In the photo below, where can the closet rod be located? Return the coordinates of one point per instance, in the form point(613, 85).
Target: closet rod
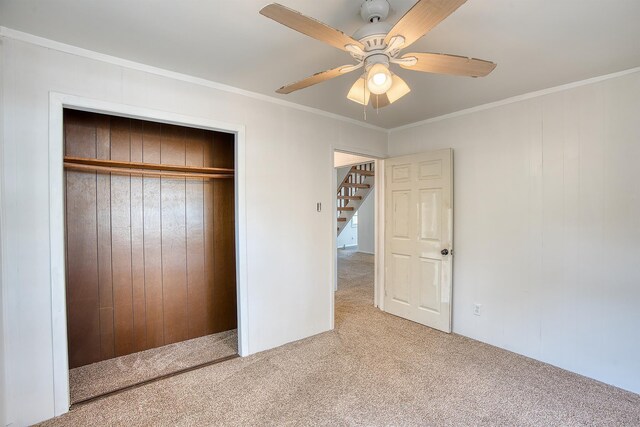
point(150, 166)
point(138, 172)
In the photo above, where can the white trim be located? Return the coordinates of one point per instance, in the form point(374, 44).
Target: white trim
point(333, 267)
point(517, 98)
point(378, 236)
point(242, 269)
point(60, 355)
point(10, 33)
point(57, 102)
point(4, 400)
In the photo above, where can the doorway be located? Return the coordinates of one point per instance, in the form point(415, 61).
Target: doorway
point(412, 275)
point(355, 232)
point(150, 250)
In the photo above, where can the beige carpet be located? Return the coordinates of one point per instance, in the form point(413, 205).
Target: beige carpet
point(108, 375)
point(373, 369)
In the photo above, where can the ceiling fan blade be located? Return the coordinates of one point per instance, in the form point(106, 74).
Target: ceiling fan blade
point(449, 64)
point(350, 68)
point(421, 18)
point(309, 26)
point(315, 79)
point(359, 92)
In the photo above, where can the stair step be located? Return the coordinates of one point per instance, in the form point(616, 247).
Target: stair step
point(342, 219)
point(346, 208)
point(349, 197)
point(364, 172)
point(352, 185)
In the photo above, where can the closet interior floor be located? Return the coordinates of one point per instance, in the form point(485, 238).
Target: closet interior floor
point(106, 376)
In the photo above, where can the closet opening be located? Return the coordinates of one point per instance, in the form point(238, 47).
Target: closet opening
point(150, 250)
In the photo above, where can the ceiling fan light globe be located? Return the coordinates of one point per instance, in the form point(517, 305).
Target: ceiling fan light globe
point(379, 79)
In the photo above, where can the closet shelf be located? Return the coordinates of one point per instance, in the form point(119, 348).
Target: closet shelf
point(145, 169)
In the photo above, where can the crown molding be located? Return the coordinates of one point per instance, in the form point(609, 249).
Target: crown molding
point(10, 33)
point(517, 98)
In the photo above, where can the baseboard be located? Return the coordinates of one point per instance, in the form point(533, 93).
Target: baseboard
point(367, 252)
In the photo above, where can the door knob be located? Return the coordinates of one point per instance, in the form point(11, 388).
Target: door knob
point(445, 252)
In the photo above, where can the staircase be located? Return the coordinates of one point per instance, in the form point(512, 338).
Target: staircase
point(353, 191)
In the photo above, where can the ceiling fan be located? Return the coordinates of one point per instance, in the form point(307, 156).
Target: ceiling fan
point(377, 45)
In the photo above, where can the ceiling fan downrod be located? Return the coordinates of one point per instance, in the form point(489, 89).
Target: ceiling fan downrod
point(374, 10)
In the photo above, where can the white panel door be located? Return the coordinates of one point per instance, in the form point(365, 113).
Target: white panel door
point(419, 237)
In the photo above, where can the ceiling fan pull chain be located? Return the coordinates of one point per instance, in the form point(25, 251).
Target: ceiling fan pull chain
point(364, 106)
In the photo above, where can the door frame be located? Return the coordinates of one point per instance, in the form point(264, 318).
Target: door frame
point(57, 103)
point(378, 219)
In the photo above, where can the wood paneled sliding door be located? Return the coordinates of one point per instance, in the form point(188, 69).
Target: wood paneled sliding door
point(150, 260)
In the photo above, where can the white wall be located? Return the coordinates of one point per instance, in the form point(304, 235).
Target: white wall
point(349, 236)
point(366, 225)
point(547, 225)
point(289, 297)
point(3, 386)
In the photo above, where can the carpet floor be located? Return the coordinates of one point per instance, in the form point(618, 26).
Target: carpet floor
point(373, 369)
point(108, 375)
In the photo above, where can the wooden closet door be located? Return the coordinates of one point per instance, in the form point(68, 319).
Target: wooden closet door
point(150, 261)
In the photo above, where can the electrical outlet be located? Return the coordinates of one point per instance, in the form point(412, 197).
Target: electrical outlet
point(477, 309)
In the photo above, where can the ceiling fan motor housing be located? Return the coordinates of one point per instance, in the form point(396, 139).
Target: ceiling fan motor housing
point(372, 10)
point(372, 35)
point(376, 58)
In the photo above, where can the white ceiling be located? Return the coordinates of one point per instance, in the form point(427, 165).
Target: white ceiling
point(537, 44)
point(341, 159)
